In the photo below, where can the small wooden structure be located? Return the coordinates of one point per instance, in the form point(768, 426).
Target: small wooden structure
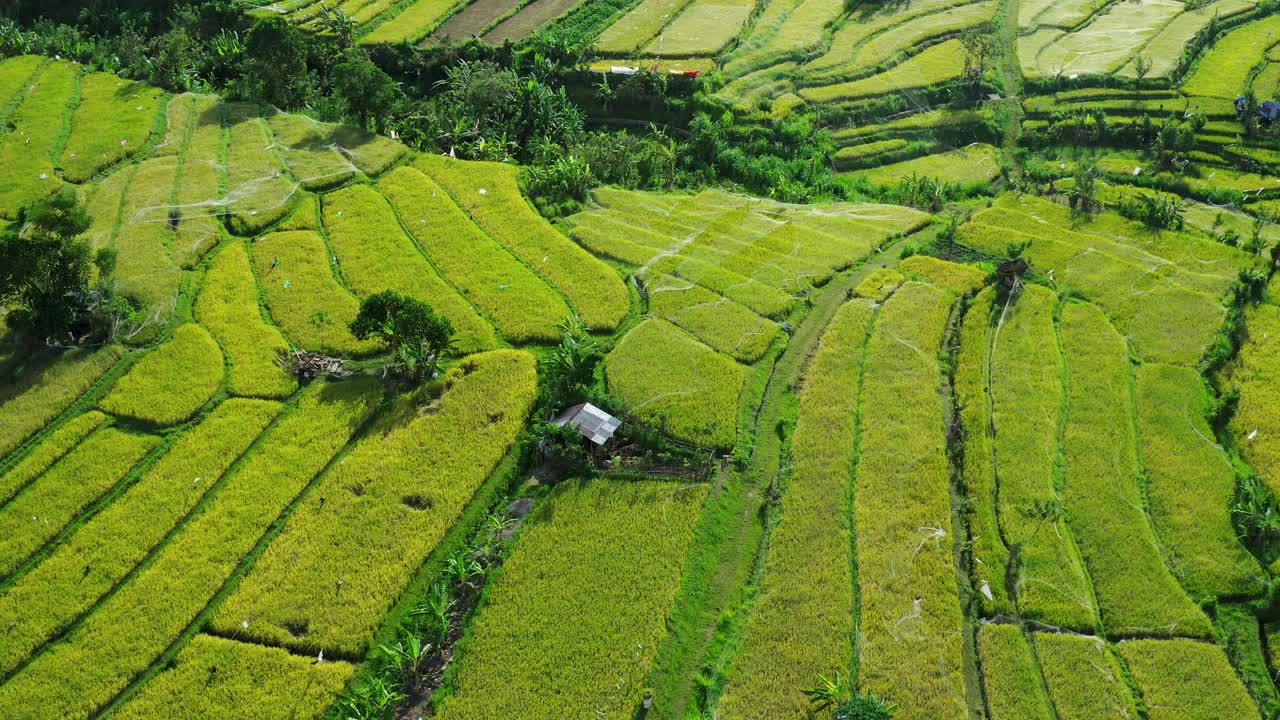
point(595, 424)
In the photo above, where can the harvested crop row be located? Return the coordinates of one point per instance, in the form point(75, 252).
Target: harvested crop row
point(376, 255)
point(129, 630)
point(371, 521)
point(1190, 485)
point(973, 400)
point(413, 23)
point(1136, 593)
point(489, 191)
point(677, 383)
point(100, 554)
point(172, 382)
point(1011, 675)
point(1025, 377)
point(111, 124)
point(1186, 680)
point(26, 153)
point(294, 270)
point(43, 456)
point(635, 29)
point(1084, 680)
point(802, 621)
point(934, 65)
point(524, 307)
point(213, 676)
point(601, 565)
point(228, 308)
point(1255, 374)
point(528, 19)
point(55, 498)
point(44, 392)
point(145, 270)
point(719, 322)
point(474, 19)
point(259, 192)
point(909, 649)
point(199, 186)
point(703, 27)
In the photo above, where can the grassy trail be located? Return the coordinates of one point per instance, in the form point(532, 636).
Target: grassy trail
point(1011, 73)
point(711, 611)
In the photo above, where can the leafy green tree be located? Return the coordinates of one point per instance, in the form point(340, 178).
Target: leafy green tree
point(276, 62)
point(369, 93)
point(416, 335)
point(45, 271)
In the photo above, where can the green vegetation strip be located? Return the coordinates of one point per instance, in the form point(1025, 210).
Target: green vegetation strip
point(1084, 679)
point(108, 547)
point(1162, 289)
point(259, 192)
point(718, 321)
point(1255, 374)
point(26, 153)
point(48, 452)
point(801, 625)
point(524, 307)
point(301, 261)
point(1015, 690)
point(348, 551)
point(199, 188)
point(213, 677)
point(228, 307)
point(1186, 680)
point(1224, 70)
point(172, 382)
point(1136, 593)
point(677, 383)
point(489, 191)
point(133, 627)
point(375, 255)
point(909, 636)
point(46, 391)
point(1025, 379)
point(1191, 485)
point(111, 124)
point(55, 498)
point(973, 401)
point(145, 270)
point(573, 621)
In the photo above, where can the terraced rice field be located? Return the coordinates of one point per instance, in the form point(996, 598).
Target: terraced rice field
point(871, 449)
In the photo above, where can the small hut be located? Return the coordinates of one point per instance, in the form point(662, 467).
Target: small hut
point(595, 424)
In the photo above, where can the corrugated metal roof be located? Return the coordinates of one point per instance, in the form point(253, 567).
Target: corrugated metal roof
point(595, 424)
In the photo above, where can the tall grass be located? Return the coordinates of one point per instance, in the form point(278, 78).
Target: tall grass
point(801, 625)
point(102, 552)
point(1084, 679)
point(228, 308)
point(909, 633)
point(112, 123)
point(348, 551)
point(71, 485)
point(1136, 593)
point(131, 629)
point(573, 621)
point(213, 675)
point(172, 382)
point(1011, 675)
point(1186, 680)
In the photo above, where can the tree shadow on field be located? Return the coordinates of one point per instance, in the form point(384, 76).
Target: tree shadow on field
point(637, 494)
